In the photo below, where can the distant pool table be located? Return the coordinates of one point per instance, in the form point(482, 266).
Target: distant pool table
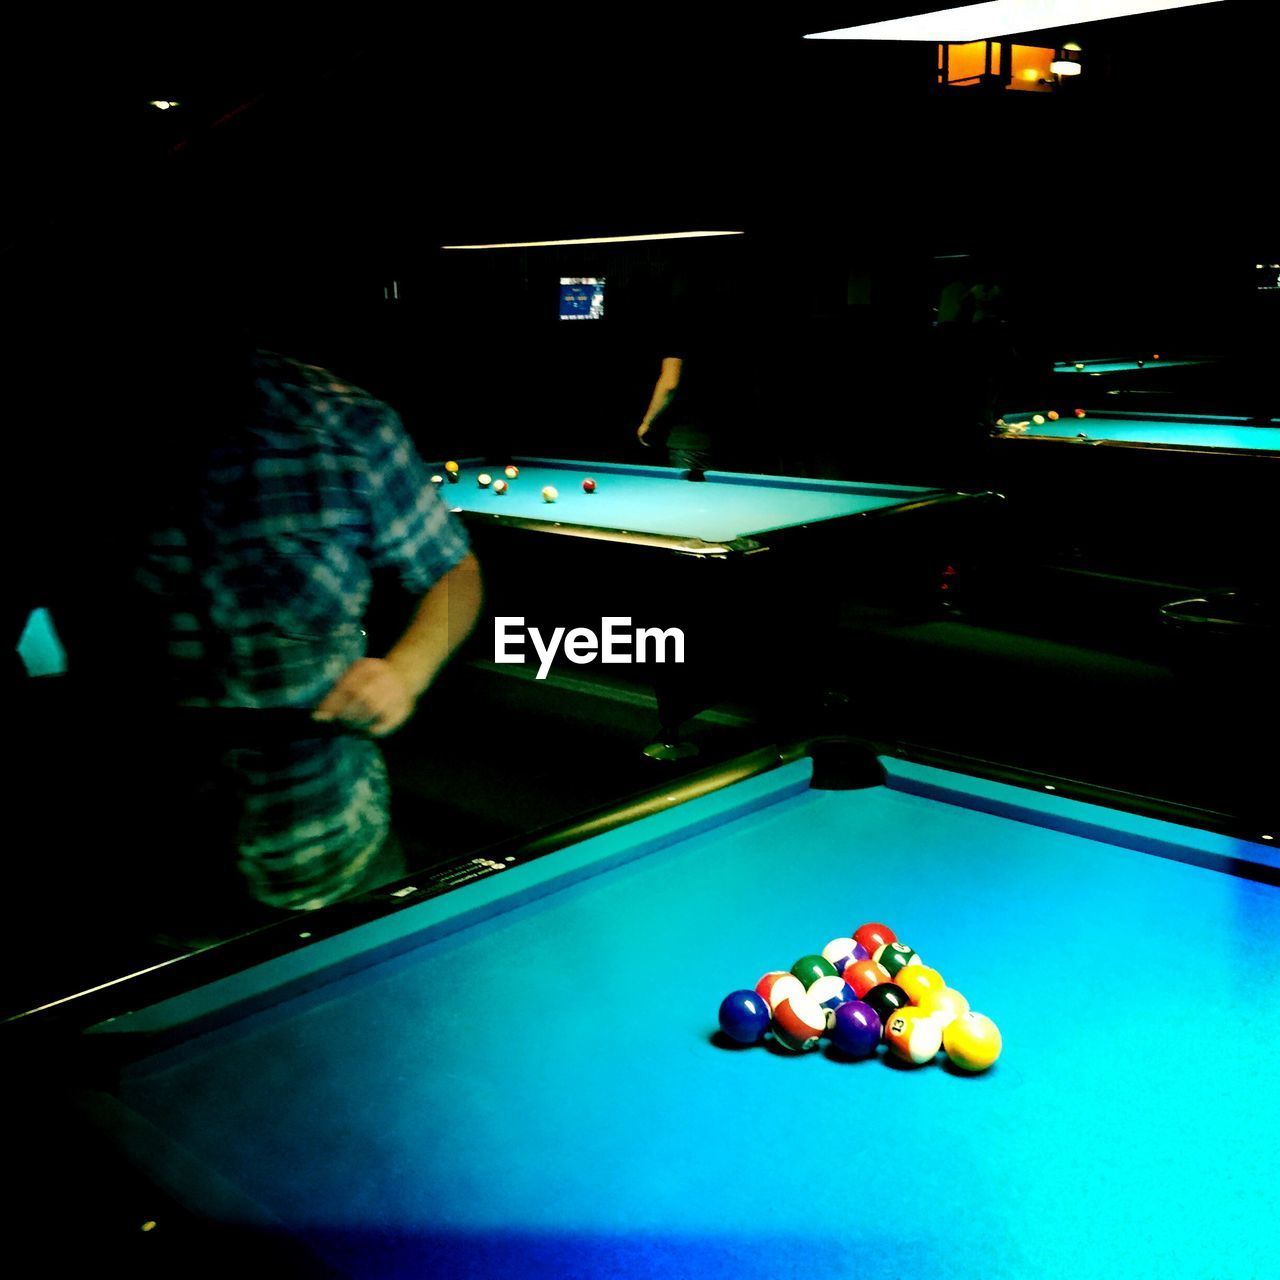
point(722, 515)
point(1192, 433)
point(1119, 368)
point(747, 566)
point(515, 1069)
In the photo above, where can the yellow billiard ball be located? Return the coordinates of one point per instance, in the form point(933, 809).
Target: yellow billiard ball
point(916, 979)
point(944, 1005)
point(972, 1042)
point(451, 467)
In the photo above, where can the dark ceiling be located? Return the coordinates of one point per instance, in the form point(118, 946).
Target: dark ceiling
point(485, 123)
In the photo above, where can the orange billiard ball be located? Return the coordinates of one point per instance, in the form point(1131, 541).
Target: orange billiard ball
point(1053, 415)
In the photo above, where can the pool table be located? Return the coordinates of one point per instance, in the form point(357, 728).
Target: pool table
point(1121, 368)
point(723, 515)
point(748, 566)
point(1175, 432)
point(515, 1068)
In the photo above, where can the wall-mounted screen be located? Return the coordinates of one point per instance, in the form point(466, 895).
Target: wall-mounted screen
point(581, 297)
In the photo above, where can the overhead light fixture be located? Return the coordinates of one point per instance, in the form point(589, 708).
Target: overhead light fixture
point(1000, 18)
point(1064, 67)
point(544, 244)
point(162, 104)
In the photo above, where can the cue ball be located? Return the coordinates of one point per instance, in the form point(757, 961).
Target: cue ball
point(549, 493)
point(972, 1042)
point(588, 486)
point(499, 486)
point(484, 479)
point(437, 481)
point(511, 472)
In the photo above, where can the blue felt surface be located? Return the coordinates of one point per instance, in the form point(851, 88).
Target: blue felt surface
point(660, 500)
point(539, 1090)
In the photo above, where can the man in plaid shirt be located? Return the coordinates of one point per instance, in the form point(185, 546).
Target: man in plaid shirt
point(263, 590)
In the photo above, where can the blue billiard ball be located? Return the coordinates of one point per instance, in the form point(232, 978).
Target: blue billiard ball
point(744, 1017)
point(855, 1030)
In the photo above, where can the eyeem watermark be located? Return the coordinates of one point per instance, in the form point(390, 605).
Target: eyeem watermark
point(617, 642)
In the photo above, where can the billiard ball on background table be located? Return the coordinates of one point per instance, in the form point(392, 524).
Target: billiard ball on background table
point(511, 471)
point(744, 1017)
point(499, 486)
point(550, 493)
point(437, 480)
point(588, 486)
point(484, 479)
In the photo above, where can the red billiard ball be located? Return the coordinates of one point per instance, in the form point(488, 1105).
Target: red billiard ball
point(588, 486)
point(874, 935)
point(499, 486)
point(1079, 413)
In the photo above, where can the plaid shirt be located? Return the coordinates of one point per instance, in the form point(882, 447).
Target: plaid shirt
point(265, 598)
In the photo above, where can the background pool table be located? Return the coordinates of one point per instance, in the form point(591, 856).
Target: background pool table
point(725, 513)
point(1194, 433)
point(1118, 368)
point(523, 1075)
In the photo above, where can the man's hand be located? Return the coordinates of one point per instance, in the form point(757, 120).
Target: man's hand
point(370, 695)
point(641, 431)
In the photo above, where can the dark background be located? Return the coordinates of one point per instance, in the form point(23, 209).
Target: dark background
point(311, 164)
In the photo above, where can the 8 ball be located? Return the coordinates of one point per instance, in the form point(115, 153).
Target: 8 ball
point(886, 1000)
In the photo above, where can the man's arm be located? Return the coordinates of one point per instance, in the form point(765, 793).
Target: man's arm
point(379, 694)
point(663, 390)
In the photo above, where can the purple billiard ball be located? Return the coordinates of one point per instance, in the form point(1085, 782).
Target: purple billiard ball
point(855, 1031)
point(744, 1017)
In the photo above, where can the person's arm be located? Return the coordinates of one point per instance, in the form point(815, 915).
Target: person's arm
point(379, 694)
point(663, 390)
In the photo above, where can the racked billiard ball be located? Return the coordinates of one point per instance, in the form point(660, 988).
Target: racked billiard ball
point(511, 471)
point(798, 1023)
point(810, 968)
point(944, 1006)
point(842, 952)
point(913, 1036)
point(777, 985)
point(588, 486)
point(856, 1029)
point(831, 993)
point(862, 975)
point(886, 1000)
point(916, 979)
point(499, 486)
point(744, 1017)
point(972, 1042)
point(896, 956)
point(484, 479)
point(874, 935)
point(549, 493)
